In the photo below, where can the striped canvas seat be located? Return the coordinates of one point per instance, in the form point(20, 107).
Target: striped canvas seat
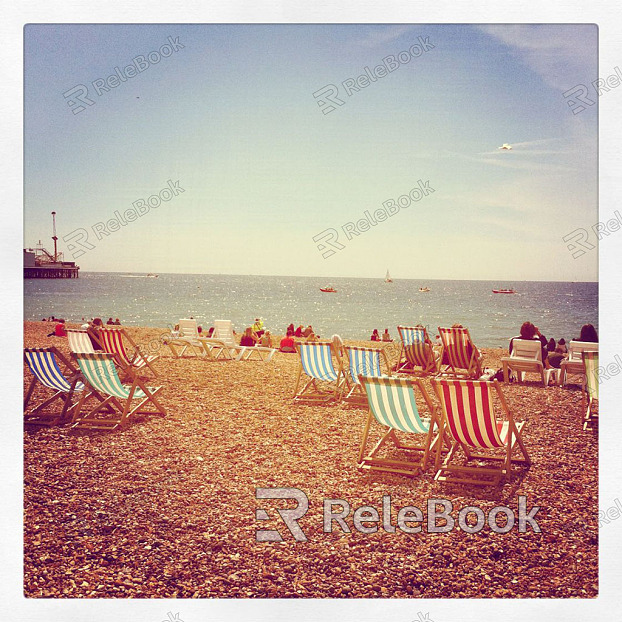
point(416, 350)
point(590, 396)
point(393, 405)
point(100, 374)
point(323, 382)
point(112, 342)
point(365, 362)
point(80, 342)
point(469, 419)
point(44, 366)
point(459, 353)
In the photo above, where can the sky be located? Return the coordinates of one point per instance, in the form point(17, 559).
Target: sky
point(250, 166)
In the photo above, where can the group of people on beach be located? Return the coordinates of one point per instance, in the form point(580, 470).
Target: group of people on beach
point(288, 343)
point(553, 353)
point(385, 336)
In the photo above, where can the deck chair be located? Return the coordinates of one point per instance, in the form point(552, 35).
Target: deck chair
point(526, 357)
point(417, 351)
point(79, 341)
point(112, 342)
point(46, 371)
point(468, 417)
point(365, 362)
point(224, 339)
point(573, 368)
point(186, 340)
point(459, 353)
point(590, 396)
point(318, 380)
point(100, 374)
point(392, 403)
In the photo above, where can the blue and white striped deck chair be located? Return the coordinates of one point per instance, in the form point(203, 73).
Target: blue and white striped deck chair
point(44, 366)
point(393, 405)
point(322, 382)
point(99, 372)
point(365, 362)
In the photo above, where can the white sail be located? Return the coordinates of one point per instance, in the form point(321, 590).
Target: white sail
point(387, 278)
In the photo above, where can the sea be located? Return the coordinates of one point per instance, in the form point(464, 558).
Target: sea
point(559, 309)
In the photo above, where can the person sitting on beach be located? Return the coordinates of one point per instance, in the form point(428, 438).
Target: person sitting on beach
point(529, 331)
point(307, 331)
point(59, 330)
point(551, 345)
point(588, 333)
point(287, 343)
point(110, 322)
point(210, 332)
point(258, 327)
point(290, 327)
point(338, 346)
point(117, 322)
point(312, 337)
point(561, 346)
point(375, 336)
point(248, 339)
point(93, 332)
point(386, 336)
point(266, 340)
point(298, 331)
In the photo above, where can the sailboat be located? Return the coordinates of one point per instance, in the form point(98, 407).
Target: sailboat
point(388, 279)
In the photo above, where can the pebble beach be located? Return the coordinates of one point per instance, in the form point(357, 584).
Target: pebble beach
point(165, 507)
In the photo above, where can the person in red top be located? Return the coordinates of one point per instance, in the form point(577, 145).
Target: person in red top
point(59, 330)
point(287, 343)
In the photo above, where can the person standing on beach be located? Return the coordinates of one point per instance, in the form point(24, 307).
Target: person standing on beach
point(258, 327)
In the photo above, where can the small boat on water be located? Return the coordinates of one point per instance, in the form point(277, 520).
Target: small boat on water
point(152, 276)
point(503, 291)
point(387, 278)
point(424, 289)
point(330, 290)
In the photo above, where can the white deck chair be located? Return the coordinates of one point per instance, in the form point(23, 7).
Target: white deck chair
point(573, 365)
point(526, 358)
point(224, 338)
point(80, 342)
point(187, 338)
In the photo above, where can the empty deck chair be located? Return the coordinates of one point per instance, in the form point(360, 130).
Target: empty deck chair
point(187, 339)
point(573, 368)
point(590, 396)
point(526, 357)
point(100, 374)
point(459, 353)
point(468, 417)
point(365, 362)
point(392, 403)
point(44, 363)
point(417, 351)
point(79, 341)
point(112, 342)
point(318, 380)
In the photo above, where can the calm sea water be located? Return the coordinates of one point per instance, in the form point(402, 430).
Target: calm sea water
point(360, 305)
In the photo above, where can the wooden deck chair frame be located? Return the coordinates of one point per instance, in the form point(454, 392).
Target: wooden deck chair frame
point(464, 430)
point(573, 365)
point(111, 339)
point(471, 363)
point(100, 375)
point(48, 373)
point(310, 385)
point(590, 394)
point(526, 357)
point(392, 404)
point(416, 352)
point(358, 364)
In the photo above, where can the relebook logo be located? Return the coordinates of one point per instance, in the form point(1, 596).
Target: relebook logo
point(410, 519)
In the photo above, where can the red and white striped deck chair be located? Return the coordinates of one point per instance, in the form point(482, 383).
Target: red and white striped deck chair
point(459, 353)
point(468, 417)
point(45, 366)
point(112, 342)
point(417, 350)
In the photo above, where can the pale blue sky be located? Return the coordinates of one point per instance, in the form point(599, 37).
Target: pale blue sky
point(232, 117)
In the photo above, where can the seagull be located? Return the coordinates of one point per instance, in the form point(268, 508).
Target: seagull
point(505, 146)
